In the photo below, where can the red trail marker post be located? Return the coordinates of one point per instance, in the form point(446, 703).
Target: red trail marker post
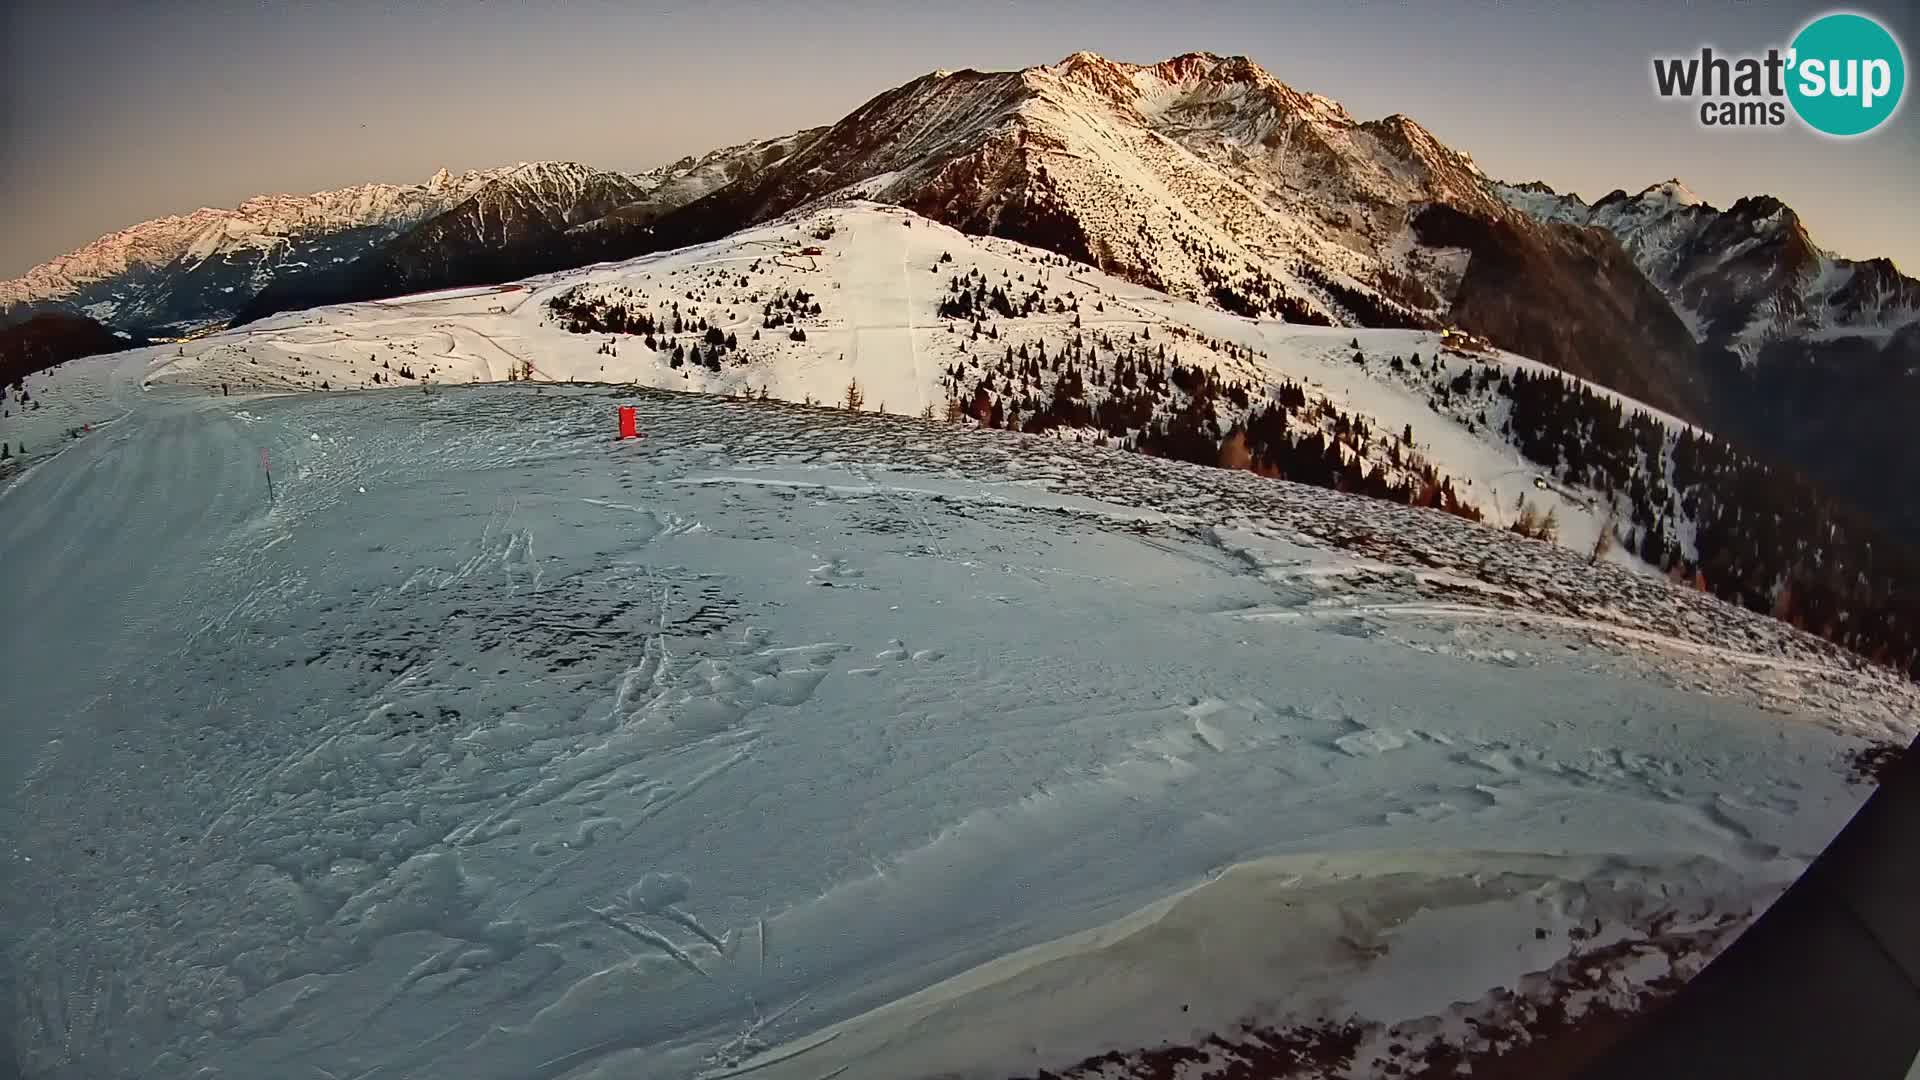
point(629, 423)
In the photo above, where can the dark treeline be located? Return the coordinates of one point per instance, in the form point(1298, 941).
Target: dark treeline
point(1146, 398)
point(661, 329)
point(1763, 535)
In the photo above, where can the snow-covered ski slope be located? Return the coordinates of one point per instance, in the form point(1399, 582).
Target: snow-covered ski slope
point(813, 744)
point(879, 280)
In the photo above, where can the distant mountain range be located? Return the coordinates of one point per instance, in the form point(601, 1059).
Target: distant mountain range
point(1202, 176)
point(180, 274)
point(530, 219)
point(1745, 279)
point(1810, 357)
point(175, 274)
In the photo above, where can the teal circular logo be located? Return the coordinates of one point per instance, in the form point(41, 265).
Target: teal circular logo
point(1847, 74)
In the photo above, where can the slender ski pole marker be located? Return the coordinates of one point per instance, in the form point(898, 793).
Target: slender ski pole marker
point(268, 469)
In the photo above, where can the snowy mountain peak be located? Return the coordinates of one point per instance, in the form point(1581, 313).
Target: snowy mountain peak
point(1228, 76)
point(1092, 73)
point(1672, 192)
point(1088, 65)
point(1540, 200)
point(1196, 66)
point(1743, 278)
point(1186, 83)
point(1199, 174)
point(1416, 144)
point(561, 180)
point(1187, 68)
point(241, 248)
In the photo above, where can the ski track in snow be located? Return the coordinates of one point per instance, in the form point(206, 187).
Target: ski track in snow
point(880, 292)
point(495, 748)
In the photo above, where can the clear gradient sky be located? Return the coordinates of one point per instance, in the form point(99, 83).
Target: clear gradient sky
point(113, 113)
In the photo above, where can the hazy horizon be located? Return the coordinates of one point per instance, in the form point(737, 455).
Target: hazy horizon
point(120, 113)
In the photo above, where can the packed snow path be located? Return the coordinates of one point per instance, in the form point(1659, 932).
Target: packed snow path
point(881, 300)
point(495, 748)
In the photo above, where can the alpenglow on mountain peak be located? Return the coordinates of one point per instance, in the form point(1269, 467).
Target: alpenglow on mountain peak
point(1235, 100)
point(1189, 72)
point(1202, 175)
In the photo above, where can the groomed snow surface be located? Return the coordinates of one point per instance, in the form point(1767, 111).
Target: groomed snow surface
point(803, 744)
